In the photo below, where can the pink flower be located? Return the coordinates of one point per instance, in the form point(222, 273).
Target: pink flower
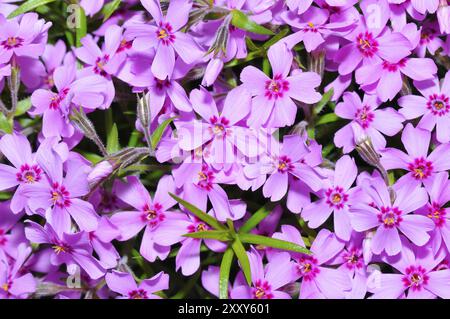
point(125, 285)
point(272, 104)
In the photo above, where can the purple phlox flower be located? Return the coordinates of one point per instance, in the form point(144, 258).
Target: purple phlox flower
point(313, 27)
point(429, 39)
point(147, 213)
point(222, 135)
point(438, 188)
point(337, 197)
point(390, 217)
point(22, 37)
point(104, 62)
point(166, 36)
point(101, 239)
point(420, 166)
point(53, 57)
point(433, 107)
point(272, 104)
point(371, 121)
point(284, 161)
point(268, 280)
point(125, 285)
point(70, 249)
point(57, 196)
point(11, 230)
point(188, 256)
point(56, 108)
point(14, 284)
point(419, 277)
point(372, 42)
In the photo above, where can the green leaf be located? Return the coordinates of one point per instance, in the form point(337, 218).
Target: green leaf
point(81, 30)
point(23, 106)
point(221, 235)
point(325, 99)
point(6, 125)
point(110, 8)
point(240, 20)
point(28, 6)
point(224, 275)
point(272, 242)
point(211, 221)
point(256, 218)
point(158, 133)
point(251, 45)
point(327, 118)
point(242, 256)
point(112, 141)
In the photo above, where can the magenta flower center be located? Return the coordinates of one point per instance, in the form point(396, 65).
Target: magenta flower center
point(415, 278)
point(439, 105)
point(153, 214)
point(311, 28)
point(276, 87)
point(393, 67)
point(205, 178)
point(353, 259)
point(57, 99)
point(198, 227)
point(364, 116)
point(165, 34)
point(100, 63)
point(284, 164)
point(366, 44)
point(427, 35)
point(437, 214)
point(262, 290)
point(336, 197)
point(61, 247)
point(124, 45)
point(390, 217)
point(138, 294)
point(3, 239)
point(162, 84)
point(307, 267)
point(60, 196)
point(12, 42)
point(218, 126)
point(29, 174)
point(421, 168)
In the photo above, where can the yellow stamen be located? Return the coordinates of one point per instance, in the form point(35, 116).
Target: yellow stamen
point(59, 249)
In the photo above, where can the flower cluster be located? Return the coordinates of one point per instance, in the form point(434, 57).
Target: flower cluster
point(268, 149)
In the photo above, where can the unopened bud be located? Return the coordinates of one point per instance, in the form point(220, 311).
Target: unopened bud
point(316, 62)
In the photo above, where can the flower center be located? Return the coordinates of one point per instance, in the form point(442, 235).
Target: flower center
point(437, 214)
point(6, 287)
point(262, 290)
point(205, 178)
point(197, 227)
point(12, 42)
point(284, 164)
point(415, 278)
point(61, 248)
point(153, 214)
point(276, 87)
point(124, 45)
point(60, 196)
point(390, 217)
point(307, 267)
point(336, 197)
point(439, 105)
point(165, 34)
point(58, 98)
point(218, 126)
point(100, 63)
point(364, 116)
point(29, 174)
point(366, 44)
point(138, 294)
point(2, 237)
point(393, 67)
point(421, 168)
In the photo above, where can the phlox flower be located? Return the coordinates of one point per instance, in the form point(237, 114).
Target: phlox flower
point(272, 104)
point(418, 277)
point(15, 284)
point(11, 230)
point(283, 161)
point(268, 280)
point(366, 115)
point(125, 285)
point(390, 217)
point(336, 198)
point(56, 108)
point(147, 213)
point(54, 56)
point(166, 36)
point(70, 249)
point(433, 107)
point(421, 166)
point(101, 239)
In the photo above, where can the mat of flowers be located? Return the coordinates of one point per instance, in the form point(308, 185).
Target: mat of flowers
point(243, 149)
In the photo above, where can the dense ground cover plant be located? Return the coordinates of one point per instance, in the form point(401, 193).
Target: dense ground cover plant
point(233, 149)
